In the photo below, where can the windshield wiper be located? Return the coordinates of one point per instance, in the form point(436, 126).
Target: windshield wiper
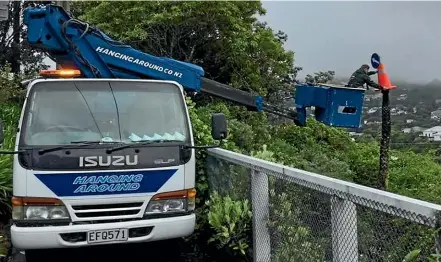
point(95, 142)
point(141, 143)
point(82, 143)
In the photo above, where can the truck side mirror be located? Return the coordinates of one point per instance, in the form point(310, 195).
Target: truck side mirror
point(219, 129)
point(2, 134)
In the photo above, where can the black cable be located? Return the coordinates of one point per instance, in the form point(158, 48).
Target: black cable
point(117, 112)
point(94, 30)
point(417, 143)
point(77, 52)
point(90, 110)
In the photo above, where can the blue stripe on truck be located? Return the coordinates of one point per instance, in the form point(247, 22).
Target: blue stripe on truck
point(105, 183)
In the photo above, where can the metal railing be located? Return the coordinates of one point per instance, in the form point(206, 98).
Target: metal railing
point(301, 216)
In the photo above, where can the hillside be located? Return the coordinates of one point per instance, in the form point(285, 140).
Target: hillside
point(412, 106)
point(414, 103)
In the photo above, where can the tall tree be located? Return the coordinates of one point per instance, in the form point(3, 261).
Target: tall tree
point(225, 38)
point(320, 77)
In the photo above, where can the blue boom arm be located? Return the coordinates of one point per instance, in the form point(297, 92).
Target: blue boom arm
point(76, 44)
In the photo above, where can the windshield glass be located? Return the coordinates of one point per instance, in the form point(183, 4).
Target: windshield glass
point(58, 113)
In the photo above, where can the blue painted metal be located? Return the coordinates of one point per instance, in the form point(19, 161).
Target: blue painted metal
point(96, 55)
point(105, 183)
point(375, 60)
point(334, 106)
point(259, 103)
point(109, 57)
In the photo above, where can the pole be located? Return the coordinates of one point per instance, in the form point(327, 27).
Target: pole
point(383, 80)
point(16, 61)
point(66, 7)
point(385, 141)
point(4, 10)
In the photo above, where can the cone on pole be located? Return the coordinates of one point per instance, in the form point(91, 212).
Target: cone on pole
point(383, 78)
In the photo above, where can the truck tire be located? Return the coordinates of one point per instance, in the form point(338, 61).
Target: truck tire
point(17, 257)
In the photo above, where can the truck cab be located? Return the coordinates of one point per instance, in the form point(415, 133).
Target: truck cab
point(103, 161)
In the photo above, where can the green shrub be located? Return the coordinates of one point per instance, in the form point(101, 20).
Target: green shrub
point(231, 221)
point(10, 86)
point(9, 114)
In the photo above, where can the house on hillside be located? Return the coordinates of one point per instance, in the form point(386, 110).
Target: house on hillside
point(431, 131)
point(373, 110)
point(369, 97)
point(435, 114)
point(402, 97)
point(395, 111)
point(434, 133)
point(415, 129)
point(436, 137)
point(407, 130)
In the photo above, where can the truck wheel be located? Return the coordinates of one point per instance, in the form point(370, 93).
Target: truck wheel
point(17, 257)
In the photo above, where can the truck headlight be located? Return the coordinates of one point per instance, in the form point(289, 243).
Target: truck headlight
point(172, 202)
point(36, 208)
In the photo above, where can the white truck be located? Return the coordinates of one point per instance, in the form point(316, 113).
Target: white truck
point(103, 161)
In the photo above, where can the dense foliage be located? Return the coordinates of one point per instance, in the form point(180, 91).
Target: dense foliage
point(9, 115)
point(234, 48)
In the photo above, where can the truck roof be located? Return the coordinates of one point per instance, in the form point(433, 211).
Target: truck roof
point(27, 83)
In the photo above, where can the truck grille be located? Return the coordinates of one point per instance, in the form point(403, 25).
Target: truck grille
point(101, 211)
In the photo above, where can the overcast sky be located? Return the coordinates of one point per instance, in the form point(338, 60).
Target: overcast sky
point(341, 36)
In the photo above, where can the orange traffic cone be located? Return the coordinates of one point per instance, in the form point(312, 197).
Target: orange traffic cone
point(383, 78)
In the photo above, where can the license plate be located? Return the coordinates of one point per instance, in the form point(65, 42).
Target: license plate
point(109, 235)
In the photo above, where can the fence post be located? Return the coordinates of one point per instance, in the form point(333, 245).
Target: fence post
point(344, 230)
point(438, 233)
point(260, 209)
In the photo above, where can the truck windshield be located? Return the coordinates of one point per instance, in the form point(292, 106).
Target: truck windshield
point(62, 112)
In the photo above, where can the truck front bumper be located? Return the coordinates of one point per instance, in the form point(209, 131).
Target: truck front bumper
point(49, 237)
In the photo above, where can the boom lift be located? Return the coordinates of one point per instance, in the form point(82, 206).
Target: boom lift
point(106, 155)
point(76, 44)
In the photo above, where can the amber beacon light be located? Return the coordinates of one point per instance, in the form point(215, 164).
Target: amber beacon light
point(64, 73)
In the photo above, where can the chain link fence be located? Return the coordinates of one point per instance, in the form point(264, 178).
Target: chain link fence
point(301, 216)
